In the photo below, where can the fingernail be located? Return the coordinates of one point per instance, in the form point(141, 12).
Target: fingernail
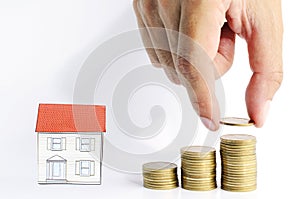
point(265, 112)
point(208, 123)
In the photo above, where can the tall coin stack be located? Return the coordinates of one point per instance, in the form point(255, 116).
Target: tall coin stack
point(238, 158)
point(160, 175)
point(198, 168)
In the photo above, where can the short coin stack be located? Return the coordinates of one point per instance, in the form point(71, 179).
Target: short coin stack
point(160, 175)
point(198, 168)
point(238, 158)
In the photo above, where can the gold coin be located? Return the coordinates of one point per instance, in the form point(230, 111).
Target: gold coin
point(238, 186)
point(198, 149)
point(239, 167)
point(238, 138)
point(197, 179)
point(211, 176)
point(240, 178)
point(198, 159)
point(159, 166)
point(238, 149)
point(174, 177)
point(238, 173)
point(200, 185)
point(238, 157)
point(239, 183)
point(200, 188)
point(238, 189)
point(235, 121)
point(160, 180)
point(226, 162)
point(160, 173)
point(196, 173)
point(211, 161)
point(160, 187)
point(238, 143)
point(200, 166)
point(232, 144)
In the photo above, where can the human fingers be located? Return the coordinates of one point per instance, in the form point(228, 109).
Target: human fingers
point(145, 36)
point(224, 58)
point(149, 11)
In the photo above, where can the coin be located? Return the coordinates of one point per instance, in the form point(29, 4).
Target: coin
point(235, 121)
point(159, 166)
point(197, 149)
point(237, 138)
point(160, 187)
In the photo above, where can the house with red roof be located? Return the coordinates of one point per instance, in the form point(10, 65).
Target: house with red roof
point(70, 143)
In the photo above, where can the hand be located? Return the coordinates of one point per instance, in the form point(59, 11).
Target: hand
point(259, 22)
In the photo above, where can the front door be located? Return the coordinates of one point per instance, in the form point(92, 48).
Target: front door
point(56, 168)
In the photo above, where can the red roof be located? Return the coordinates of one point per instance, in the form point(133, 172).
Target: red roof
point(71, 118)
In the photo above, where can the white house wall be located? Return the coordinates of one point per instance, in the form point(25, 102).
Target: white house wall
point(71, 155)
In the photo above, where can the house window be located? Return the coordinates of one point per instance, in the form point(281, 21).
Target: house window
point(56, 144)
point(85, 144)
point(85, 168)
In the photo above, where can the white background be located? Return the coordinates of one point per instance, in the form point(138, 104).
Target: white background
point(42, 46)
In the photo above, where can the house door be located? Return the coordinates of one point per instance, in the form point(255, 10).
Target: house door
point(56, 169)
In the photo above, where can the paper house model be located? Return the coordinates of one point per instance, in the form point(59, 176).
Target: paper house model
point(70, 143)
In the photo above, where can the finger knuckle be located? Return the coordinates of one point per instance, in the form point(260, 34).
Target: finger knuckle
point(147, 7)
point(187, 70)
point(277, 78)
point(166, 58)
point(164, 3)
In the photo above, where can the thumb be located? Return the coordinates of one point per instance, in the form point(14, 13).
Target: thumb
point(265, 56)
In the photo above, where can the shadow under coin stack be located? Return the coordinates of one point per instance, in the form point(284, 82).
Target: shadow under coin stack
point(198, 168)
point(160, 175)
point(238, 158)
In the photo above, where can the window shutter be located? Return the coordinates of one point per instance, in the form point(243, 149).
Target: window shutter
point(63, 143)
point(77, 167)
point(49, 141)
point(92, 169)
point(92, 144)
point(77, 143)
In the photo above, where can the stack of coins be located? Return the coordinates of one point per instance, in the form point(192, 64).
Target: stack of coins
point(238, 162)
point(198, 168)
point(160, 175)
